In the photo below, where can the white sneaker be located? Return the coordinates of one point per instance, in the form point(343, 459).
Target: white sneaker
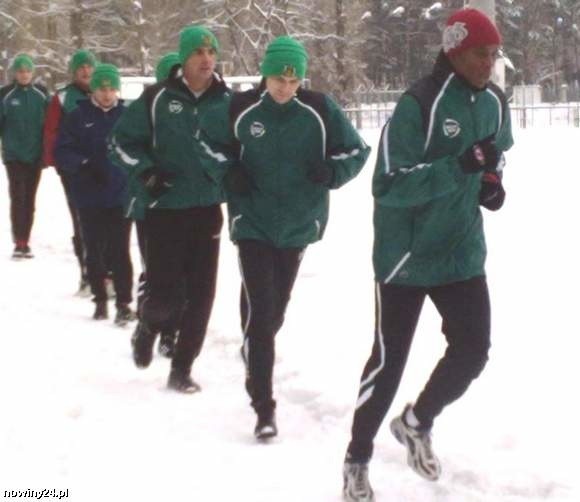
point(84, 290)
point(356, 487)
point(420, 456)
point(110, 287)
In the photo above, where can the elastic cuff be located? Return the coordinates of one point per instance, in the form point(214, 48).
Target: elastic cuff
point(358, 453)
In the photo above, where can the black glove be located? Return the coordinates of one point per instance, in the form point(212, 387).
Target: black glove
point(481, 156)
point(322, 174)
point(95, 172)
point(157, 181)
point(238, 180)
point(492, 193)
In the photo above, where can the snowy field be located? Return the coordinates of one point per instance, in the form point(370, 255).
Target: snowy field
point(76, 414)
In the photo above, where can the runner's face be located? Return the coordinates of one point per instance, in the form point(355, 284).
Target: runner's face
point(23, 76)
point(476, 64)
point(105, 96)
point(199, 67)
point(83, 75)
point(282, 89)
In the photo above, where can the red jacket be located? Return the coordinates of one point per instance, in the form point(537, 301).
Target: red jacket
point(51, 124)
point(63, 102)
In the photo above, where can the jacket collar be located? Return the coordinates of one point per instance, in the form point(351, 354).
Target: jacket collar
point(86, 91)
point(20, 86)
point(217, 86)
point(91, 104)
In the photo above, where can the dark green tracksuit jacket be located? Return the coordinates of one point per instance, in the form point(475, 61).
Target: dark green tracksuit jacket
point(427, 222)
point(160, 129)
point(278, 144)
point(22, 112)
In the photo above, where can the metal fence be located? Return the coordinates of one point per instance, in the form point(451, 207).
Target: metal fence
point(370, 116)
point(373, 116)
point(546, 115)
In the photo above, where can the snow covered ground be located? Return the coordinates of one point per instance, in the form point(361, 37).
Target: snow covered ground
point(76, 414)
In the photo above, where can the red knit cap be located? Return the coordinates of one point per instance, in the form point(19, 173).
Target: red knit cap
point(468, 28)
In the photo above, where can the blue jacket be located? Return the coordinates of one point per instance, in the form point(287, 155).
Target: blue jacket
point(81, 154)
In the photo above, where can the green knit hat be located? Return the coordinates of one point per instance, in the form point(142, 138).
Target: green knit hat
point(165, 64)
point(80, 58)
point(106, 75)
point(23, 62)
point(194, 37)
point(285, 56)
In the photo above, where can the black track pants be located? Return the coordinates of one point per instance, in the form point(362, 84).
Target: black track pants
point(268, 275)
point(106, 235)
point(465, 309)
point(23, 182)
point(77, 238)
point(182, 249)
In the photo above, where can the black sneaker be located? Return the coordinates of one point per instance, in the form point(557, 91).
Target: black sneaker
point(101, 311)
point(166, 345)
point(124, 315)
point(356, 486)
point(142, 343)
point(182, 382)
point(27, 252)
point(266, 425)
point(420, 456)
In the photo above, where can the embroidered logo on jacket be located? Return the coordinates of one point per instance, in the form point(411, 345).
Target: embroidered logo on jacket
point(175, 106)
point(257, 129)
point(451, 128)
point(453, 36)
point(15, 102)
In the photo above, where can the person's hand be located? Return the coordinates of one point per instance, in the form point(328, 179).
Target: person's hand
point(99, 175)
point(238, 180)
point(492, 193)
point(321, 174)
point(157, 181)
point(95, 172)
point(480, 156)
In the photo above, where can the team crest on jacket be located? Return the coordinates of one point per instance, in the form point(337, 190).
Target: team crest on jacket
point(451, 128)
point(15, 102)
point(453, 36)
point(175, 106)
point(257, 129)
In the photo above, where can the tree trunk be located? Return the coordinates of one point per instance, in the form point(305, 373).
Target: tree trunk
point(76, 24)
point(342, 77)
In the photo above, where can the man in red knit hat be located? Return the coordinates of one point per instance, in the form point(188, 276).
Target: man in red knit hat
point(440, 159)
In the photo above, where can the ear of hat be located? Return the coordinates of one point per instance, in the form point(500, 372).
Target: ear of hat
point(468, 28)
point(285, 56)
